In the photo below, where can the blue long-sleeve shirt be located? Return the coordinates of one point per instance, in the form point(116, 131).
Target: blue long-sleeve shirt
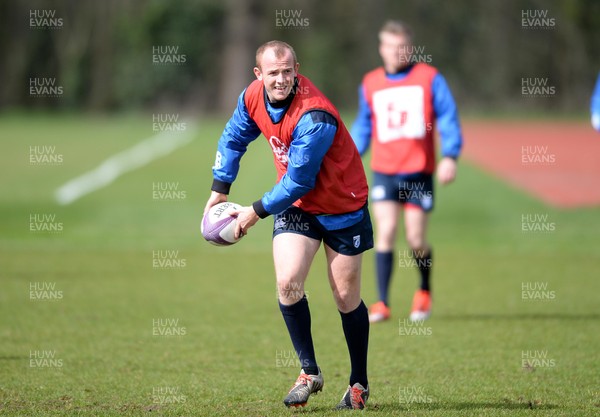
point(311, 139)
point(595, 105)
point(444, 107)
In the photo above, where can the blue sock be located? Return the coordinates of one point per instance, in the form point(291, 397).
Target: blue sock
point(384, 261)
point(297, 320)
point(356, 330)
point(424, 263)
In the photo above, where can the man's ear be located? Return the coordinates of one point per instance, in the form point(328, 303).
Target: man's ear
point(296, 67)
point(258, 73)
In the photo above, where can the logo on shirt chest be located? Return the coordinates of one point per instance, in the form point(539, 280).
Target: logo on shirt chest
point(280, 149)
point(400, 113)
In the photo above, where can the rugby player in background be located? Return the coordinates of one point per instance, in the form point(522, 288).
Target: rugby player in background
point(400, 104)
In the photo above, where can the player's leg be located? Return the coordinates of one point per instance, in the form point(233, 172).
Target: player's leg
point(416, 219)
point(343, 250)
point(415, 222)
point(416, 228)
point(344, 277)
point(344, 274)
point(386, 215)
point(386, 211)
point(293, 253)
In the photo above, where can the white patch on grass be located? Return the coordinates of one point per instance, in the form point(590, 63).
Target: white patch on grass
point(130, 159)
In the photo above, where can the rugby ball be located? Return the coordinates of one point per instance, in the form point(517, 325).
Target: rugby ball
point(218, 227)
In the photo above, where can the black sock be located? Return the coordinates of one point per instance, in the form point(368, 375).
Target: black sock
point(384, 262)
point(297, 320)
point(356, 330)
point(424, 263)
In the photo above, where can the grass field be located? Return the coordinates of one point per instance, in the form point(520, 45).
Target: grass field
point(98, 345)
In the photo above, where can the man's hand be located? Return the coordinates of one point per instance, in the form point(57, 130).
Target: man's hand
point(215, 198)
point(446, 170)
point(246, 218)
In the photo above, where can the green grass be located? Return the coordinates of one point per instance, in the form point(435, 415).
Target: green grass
point(225, 363)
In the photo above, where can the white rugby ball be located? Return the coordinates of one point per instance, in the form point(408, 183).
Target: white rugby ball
point(218, 227)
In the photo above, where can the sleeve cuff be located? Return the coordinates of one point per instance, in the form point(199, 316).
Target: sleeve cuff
point(259, 208)
point(455, 157)
point(220, 186)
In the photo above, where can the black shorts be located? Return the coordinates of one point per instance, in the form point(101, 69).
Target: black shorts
point(407, 189)
point(351, 240)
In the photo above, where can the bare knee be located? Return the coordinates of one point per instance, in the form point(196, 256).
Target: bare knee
point(416, 229)
point(416, 241)
point(290, 290)
point(347, 298)
point(344, 279)
point(386, 222)
point(385, 238)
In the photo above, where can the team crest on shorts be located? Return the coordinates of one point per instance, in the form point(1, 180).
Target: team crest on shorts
point(427, 202)
point(378, 192)
point(356, 241)
point(279, 223)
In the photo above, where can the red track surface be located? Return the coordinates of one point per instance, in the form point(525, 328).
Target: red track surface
point(557, 162)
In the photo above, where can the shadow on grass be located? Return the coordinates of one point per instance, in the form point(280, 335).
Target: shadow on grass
point(499, 316)
point(464, 405)
point(436, 406)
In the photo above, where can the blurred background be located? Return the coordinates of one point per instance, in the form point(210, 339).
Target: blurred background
point(110, 112)
point(101, 52)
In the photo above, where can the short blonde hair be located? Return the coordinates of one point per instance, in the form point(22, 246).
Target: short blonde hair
point(396, 27)
point(279, 47)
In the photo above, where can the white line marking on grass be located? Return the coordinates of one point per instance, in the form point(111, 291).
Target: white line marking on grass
point(135, 157)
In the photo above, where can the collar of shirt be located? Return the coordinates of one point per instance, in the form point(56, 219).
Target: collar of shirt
point(397, 76)
point(277, 109)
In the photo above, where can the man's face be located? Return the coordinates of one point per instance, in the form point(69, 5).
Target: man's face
point(277, 74)
point(395, 51)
